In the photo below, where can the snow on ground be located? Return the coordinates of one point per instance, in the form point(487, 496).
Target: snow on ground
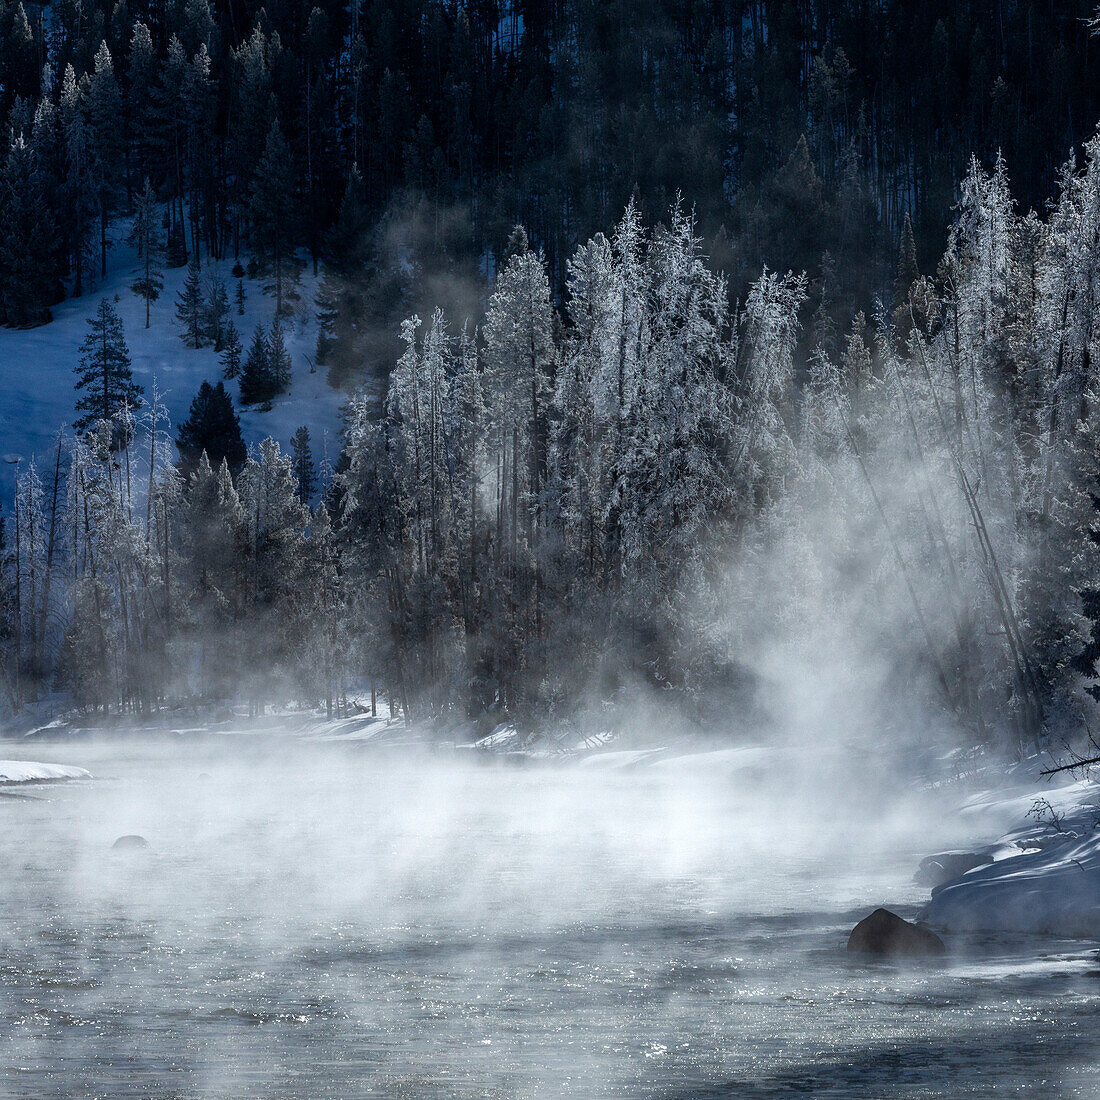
point(1045, 877)
point(504, 737)
point(30, 771)
point(620, 759)
point(360, 728)
point(36, 365)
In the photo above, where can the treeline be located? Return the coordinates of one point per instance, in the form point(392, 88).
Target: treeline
point(400, 141)
point(645, 491)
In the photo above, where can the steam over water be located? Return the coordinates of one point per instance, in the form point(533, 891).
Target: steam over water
point(344, 924)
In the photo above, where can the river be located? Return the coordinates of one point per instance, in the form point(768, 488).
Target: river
point(319, 921)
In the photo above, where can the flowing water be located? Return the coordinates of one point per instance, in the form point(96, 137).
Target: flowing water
point(332, 923)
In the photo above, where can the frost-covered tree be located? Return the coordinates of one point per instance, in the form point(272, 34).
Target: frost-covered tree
point(274, 524)
point(214, 562)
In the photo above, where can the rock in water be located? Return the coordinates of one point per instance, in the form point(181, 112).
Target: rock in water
point(885, 933)
point(944, 866)
point(129, 843)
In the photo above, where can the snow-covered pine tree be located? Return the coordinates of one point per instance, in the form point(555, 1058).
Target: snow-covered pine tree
point(275, 520)
point(30, 566)
point(214, 559)
point(764, 450)
point(673, 477)
point(586, 401)
point(908, 271)
point(321, 658)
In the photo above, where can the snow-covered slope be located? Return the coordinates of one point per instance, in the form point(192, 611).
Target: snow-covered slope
point(36, 365)
point(30, 771)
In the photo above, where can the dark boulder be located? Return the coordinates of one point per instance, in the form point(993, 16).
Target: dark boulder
point(131, 843)
point(885, 933)
point(944, 866)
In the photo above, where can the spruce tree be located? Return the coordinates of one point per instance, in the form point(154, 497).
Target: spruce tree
point(211, 428)
point(256, 383)
point(278, 358)
point(240, 297)
point(191, 306)
point(104, 376)
point(304, 469)
point(231, 352)
point(145, 237)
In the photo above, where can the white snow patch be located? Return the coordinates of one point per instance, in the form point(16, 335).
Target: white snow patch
point(504, 736)
point(621, 758)
point(31, 771)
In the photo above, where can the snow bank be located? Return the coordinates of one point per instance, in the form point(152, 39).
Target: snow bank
point(361, 727)
point(1046, 875)
point(30, 771)
point(621, 759)
point(504, 736)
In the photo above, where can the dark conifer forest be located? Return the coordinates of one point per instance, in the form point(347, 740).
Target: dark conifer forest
point(399, 143)
point(679, 341)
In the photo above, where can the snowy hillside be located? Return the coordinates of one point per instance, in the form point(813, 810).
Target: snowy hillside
point(36, 365)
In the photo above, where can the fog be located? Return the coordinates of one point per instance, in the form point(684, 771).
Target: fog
point(323, 921)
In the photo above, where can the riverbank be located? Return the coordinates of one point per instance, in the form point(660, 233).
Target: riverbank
point(1044, 874)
